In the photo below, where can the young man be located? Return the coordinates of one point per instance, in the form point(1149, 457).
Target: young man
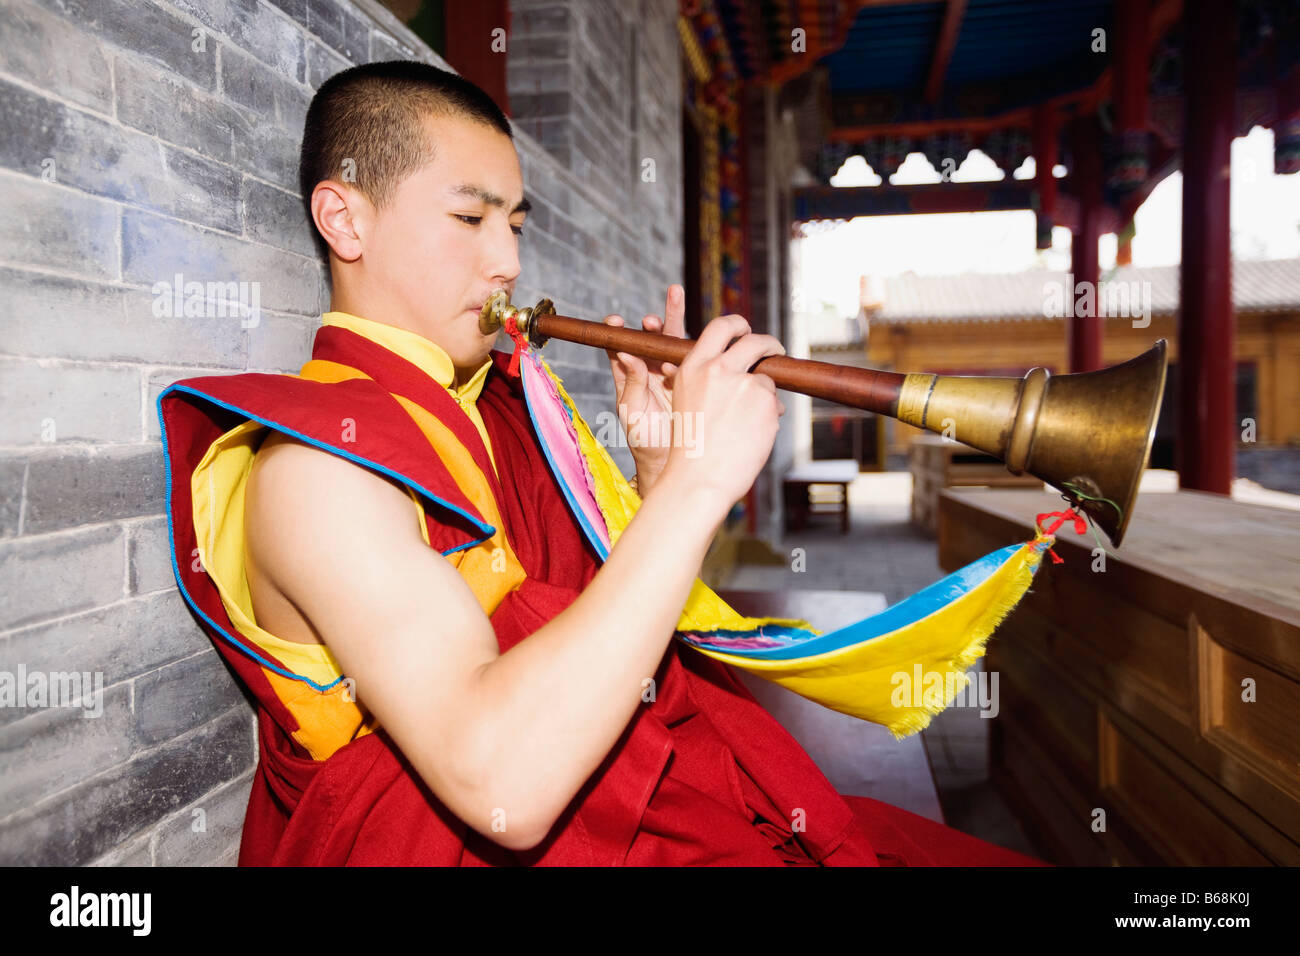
point(465, 684)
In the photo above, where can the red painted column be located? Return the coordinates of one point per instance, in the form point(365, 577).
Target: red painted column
point(1207, 427)
point(1129, 146)
point(470, 40)
point(1044, 141)
point(1084, 330)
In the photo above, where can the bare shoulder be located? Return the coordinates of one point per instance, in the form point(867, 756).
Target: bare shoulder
point(301, 498)
point(288, 465)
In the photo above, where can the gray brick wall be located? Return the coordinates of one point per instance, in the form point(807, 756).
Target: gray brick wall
point(142, 138)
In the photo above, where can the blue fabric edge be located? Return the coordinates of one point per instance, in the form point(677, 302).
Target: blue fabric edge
point(171, 531)
point(905, 613)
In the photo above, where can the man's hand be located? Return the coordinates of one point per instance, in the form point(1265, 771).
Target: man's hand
point(644, 393)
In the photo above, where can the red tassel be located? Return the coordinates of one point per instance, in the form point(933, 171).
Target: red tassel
point(1080, 526)
point(521, 343)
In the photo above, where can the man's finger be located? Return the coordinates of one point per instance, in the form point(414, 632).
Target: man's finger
point(675, 312)
point(745, 352)
point(713, 340)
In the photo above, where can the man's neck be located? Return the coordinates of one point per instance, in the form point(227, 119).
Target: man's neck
point(341, 302)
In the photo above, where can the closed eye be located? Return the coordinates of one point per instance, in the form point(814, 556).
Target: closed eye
point(475, 220)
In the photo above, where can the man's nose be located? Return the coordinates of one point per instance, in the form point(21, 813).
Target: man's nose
point(503, 254)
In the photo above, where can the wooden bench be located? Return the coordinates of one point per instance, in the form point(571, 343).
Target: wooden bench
point(937, 463)
point(1163, 690)
point(819, 487)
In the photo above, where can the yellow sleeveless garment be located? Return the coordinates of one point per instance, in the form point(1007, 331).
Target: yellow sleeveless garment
point(329, 719)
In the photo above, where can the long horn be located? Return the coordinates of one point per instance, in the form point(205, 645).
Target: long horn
point(1087, 434)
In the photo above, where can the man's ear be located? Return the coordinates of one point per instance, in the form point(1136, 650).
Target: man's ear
point(340, 212)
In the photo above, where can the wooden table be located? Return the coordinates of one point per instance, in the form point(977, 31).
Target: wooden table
point(858, 757)
point(834, 475)
point(937, 463)
point(1163, 690)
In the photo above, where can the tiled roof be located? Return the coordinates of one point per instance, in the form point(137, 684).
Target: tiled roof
point(1269, 285)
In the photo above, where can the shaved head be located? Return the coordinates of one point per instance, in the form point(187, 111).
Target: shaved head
point(368, 126)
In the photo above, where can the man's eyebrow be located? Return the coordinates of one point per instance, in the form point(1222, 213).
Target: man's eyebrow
point(474, 191)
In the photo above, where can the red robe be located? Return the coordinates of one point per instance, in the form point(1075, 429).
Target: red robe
point(702, 775)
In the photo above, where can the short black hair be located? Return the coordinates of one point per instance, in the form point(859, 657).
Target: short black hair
point(373, 115)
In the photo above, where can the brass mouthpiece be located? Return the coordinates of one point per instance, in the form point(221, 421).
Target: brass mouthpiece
point(498, 308)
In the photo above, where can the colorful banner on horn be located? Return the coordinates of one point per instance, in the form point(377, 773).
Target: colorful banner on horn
point(870, 669)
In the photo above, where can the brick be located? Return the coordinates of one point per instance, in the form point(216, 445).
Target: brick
point(541, 217)
point(158, 103)
point(51, 403)
point(296, 10)
point(158, 379)
point(85, 821)
point(543, 178)
point(254, 28)
point(135, 852)
point(334, 22)
point(47, 577)
point(154, 250)
point(166, 704)
point(56, 228)
point(123, 640)
point(282, 343)
point(527, 77)
point(222, 821)
point(203, 191)
point(50, 749)
point(229, 858)
point(108, 160)
point(12, 471)
point(276, 217)
point(322, 63)
point(50, 53)
point(532, 106)
point(533, 50)
point(147, 29)
point(149, 556)
point(47, 315)
point(532, 20)
point(266, 150)
point(268, 93)
point(81, 486)
point(384, 47)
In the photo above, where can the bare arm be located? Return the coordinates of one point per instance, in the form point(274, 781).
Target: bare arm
point(513, 734)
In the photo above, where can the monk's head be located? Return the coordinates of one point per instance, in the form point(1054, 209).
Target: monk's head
point(411, 178)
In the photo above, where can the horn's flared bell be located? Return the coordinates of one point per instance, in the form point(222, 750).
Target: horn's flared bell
point(1088, 434)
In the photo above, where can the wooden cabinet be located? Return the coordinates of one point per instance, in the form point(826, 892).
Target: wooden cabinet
point(937, 463)
point(1159, 691)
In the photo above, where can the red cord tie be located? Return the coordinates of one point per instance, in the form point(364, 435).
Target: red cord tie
point(1080, 526)
point(521, 343)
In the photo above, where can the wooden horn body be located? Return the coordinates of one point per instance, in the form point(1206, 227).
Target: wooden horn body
point(1087, 434)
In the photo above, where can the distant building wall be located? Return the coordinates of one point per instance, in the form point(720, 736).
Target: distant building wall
point(1269, 340)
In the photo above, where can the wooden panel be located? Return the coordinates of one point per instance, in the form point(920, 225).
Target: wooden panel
point(1234, 565)
point(1191, 773)
point(1108, 636)
point(1259, 732)
point(1045, 698)
point(1056, 813)
point(1184, 827)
